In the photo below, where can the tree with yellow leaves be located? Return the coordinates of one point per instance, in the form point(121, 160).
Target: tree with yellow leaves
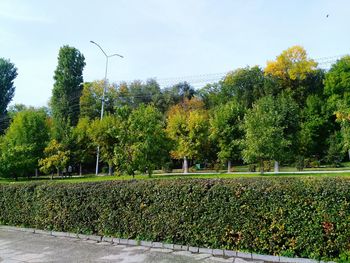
point(291, 64)
point(187, 126)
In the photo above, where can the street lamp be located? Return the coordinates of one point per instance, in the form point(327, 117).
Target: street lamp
point(103, 94)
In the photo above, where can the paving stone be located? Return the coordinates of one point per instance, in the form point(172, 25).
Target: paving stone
point(193, 249)
point(72, 235)
point(184, 248)
point(42, 232)
point(296, 260)
point(244, 255)
point(107, 239)
point(146, 243)
point(169, 246)
point(23, 229)
point(132, 242)
point(80, 236)
point(177, 247)
point(116, 240)
point(123, 241)
point(60, 234)
point(218, 252)
point(157, 244)
point(95, 238)
point(230, 253)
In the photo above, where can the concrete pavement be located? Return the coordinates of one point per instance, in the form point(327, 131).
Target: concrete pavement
point(19, 247)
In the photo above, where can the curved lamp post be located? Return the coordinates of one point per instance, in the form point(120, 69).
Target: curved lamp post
point(103, 94)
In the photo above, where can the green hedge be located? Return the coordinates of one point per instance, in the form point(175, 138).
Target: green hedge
point(285, 216)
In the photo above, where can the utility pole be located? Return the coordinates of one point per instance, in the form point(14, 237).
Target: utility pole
point(103, 95)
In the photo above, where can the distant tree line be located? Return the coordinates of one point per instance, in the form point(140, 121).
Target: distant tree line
point(290, 113)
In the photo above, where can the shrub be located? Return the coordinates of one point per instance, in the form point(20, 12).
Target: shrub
point(287, 216)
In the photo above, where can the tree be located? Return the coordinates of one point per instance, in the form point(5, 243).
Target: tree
point(335, 151)
point(269, 127)
point(148, 142)
point(55, 158)
point(225, 128)
point(67, 90)
point(315, 128)
point(16, 161)
point(91, 99)
point(187, 126)
point(337, 84)
point(246, 85)
point(107, 133)
point(296, 74)
point(292, 64)
point(82, 147)
point(337, 90)
point(8, 73)
point(29, 131)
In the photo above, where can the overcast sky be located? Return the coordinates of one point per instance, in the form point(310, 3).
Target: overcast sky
point(162, 38)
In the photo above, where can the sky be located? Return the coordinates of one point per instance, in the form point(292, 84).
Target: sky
point(162, 38)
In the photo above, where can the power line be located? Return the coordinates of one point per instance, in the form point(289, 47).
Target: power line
point(201, 80)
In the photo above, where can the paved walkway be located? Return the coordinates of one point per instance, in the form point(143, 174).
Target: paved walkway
point(19, 247)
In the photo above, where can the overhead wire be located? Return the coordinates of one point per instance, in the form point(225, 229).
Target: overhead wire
point(195, 81)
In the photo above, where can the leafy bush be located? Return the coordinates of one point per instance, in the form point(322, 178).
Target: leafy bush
point(287, 216)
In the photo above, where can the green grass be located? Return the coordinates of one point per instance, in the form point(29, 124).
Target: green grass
point(93, 178)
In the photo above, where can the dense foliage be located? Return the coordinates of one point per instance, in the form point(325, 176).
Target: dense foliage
point(281, 216)
point(290, 112)
point(67, 90)
point(8, 73)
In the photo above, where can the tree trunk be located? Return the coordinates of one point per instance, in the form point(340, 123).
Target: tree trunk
point(261, 167)
point(58, 171)
point(277, 167)
point(229, 166)
point(110, 169)
point(80, 169)
point(349, 154)
point(36, 172)
point(185, 165)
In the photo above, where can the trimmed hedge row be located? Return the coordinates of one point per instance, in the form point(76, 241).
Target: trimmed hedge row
point(285, 216)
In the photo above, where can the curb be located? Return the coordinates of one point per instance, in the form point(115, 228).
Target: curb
point(158, 245)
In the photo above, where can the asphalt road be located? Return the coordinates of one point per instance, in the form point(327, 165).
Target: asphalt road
point(19, 247)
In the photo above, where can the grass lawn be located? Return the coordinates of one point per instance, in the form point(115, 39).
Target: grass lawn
point(93, 178)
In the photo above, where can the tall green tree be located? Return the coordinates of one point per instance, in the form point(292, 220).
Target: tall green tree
point(315, 128)
point(67, 90)
point(269, 129)
point(28, 135)
point(337, 90)
point(8, 73)
point(225, 128)
point(148, 141)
